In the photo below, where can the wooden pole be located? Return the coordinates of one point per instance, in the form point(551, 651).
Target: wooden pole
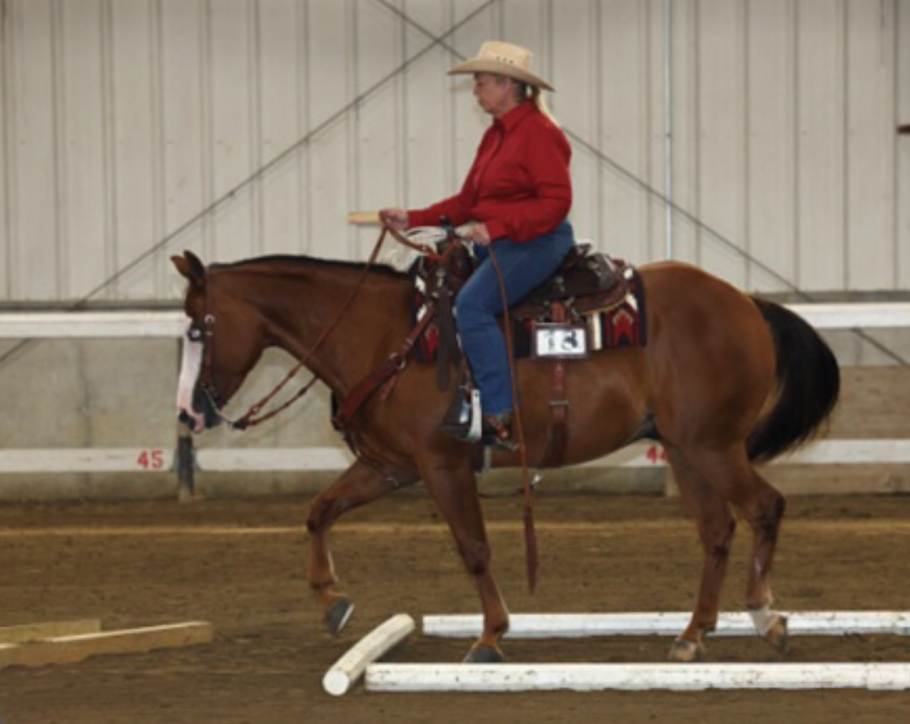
point(32, 631)
point(70, 649)
point(364, 218)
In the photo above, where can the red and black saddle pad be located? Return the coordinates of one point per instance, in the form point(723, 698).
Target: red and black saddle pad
point(619, 323)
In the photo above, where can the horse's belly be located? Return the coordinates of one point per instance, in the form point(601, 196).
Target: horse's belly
point(607, 406)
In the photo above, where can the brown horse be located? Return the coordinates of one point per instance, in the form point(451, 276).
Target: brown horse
point(725, 381)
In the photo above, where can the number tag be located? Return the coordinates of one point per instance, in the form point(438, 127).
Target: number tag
point(560, 340)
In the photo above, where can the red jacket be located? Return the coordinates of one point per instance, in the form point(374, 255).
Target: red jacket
point(519, 183)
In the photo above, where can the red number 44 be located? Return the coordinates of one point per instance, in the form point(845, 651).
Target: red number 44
point(151, 459)
point(656, 454)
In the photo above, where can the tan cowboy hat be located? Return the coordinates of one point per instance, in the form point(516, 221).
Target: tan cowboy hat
point(504, 59)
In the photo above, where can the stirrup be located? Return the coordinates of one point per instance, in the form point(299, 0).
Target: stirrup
point(497, 431)
point(462, 419)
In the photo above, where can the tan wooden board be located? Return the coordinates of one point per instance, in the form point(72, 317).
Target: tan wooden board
point(71, 649)
point(364, 217)
point(47, 629)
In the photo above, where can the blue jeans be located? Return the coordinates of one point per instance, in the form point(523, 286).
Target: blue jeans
point(524, 267)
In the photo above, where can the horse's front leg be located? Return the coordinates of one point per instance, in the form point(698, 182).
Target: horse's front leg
point(454, 490)
point(357, 486)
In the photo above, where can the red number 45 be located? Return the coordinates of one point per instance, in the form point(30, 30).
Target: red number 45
point(151, 459)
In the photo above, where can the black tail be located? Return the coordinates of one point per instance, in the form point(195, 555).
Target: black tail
point(808, 384)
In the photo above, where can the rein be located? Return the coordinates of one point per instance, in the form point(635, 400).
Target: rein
point(527, 485)
point(249, 419)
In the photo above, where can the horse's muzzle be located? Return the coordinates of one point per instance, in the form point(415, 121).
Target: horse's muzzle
point(196, 421)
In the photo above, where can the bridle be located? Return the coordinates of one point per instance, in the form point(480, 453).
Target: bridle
point(207, 335)
point(214, 398)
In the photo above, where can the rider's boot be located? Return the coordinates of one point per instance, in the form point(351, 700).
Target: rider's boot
point(496, 430)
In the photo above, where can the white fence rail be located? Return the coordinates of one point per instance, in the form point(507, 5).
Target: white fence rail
point(288, 460)
point(35, 325)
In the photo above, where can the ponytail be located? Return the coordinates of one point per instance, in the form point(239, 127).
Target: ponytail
point(526, 91)
point(533, 92)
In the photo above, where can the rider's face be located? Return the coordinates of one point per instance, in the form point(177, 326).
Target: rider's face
point(494, 93)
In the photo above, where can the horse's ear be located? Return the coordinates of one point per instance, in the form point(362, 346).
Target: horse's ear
point(190, 267)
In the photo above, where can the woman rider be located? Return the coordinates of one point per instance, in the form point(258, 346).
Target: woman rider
point(516, 197)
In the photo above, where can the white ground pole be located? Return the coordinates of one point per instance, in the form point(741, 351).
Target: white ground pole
point(350, 667)
point(579, 625)
point(634, 677)
point(172, 324)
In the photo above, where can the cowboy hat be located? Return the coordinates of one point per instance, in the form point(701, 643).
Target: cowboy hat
point(503, 59)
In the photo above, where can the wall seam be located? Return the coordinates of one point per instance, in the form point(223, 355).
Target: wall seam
point(159, 193)
point(304, 185)
point(895, 148)
point(352, 122)
point(451, 123)
point(402, 159)
point(644, 24)
point(749, 271)
point(597, 107)
point(206, 102)
point(7, 107)
point(696, 126)
point(255, 124)
point(797, 145)
point(845, 190)
point(58, 104)
point(109, 124)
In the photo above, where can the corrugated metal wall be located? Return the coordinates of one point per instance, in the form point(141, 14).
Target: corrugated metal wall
point(123, 121)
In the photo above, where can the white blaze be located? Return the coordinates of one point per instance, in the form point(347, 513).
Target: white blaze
point(190, 366)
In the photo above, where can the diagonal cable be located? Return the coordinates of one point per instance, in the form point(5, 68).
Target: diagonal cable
point(654, 192)
point(159, 246)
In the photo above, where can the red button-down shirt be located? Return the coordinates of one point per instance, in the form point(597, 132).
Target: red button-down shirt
point(519, 184)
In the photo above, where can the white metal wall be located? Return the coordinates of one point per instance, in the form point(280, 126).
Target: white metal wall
point(122, 120)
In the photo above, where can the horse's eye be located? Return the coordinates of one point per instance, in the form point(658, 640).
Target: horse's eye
point(194, 334)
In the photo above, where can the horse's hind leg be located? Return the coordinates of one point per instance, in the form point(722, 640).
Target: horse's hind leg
point(357, 486)
point(763, 511)
point(715, 529)
point(733, 476)
point(455, 494)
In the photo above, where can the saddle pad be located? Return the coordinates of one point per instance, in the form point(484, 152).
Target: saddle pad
point(622, 325)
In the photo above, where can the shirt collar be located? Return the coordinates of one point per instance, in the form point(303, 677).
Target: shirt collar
point(511, 119)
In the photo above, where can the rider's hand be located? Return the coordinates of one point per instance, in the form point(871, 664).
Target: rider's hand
point(395, 218)
point(478, 234)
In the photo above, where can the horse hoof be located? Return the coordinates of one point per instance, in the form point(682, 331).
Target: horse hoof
point(778, 634)
point(686, 652)
point(337, 616)
point(484, 655)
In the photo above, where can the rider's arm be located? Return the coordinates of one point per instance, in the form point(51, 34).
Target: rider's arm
point(457, 208)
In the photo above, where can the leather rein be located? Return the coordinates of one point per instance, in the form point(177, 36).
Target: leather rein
point(396, 362)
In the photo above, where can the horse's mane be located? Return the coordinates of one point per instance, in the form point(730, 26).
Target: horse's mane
point(301, 260)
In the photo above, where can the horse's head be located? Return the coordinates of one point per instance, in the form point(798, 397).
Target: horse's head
point(223, 342)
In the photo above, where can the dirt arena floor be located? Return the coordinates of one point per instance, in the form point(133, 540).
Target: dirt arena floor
point(240, 565)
